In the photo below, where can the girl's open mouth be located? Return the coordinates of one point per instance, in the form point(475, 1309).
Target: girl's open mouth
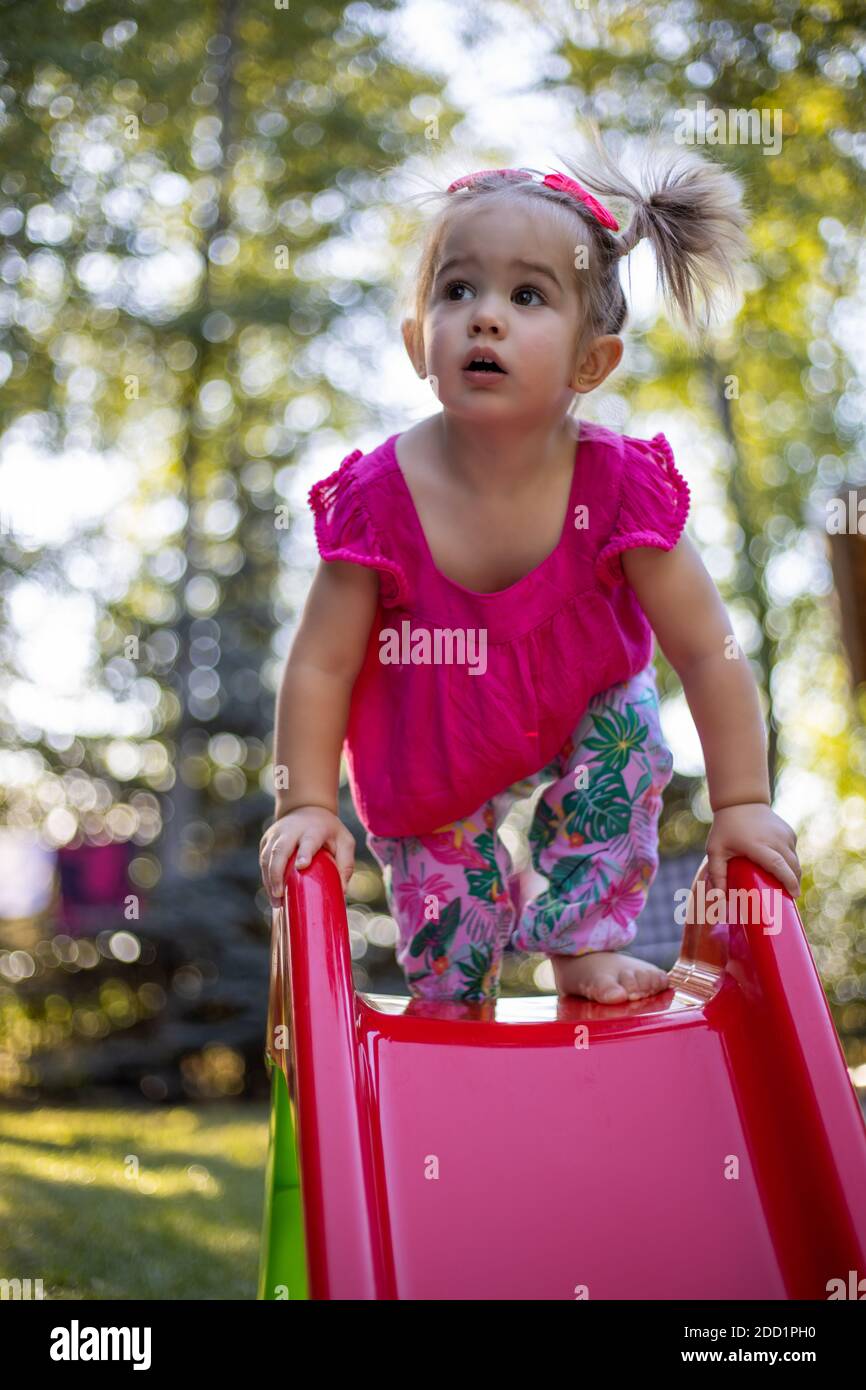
point(484, 372)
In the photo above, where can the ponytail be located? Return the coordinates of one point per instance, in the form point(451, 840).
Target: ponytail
point(692, 212)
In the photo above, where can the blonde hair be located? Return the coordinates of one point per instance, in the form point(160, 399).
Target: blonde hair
point(690, 209)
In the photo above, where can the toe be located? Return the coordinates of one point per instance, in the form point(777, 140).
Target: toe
point(609, 990)
point(629, 982)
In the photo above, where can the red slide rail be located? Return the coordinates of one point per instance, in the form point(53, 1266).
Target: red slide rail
point(313, 1010)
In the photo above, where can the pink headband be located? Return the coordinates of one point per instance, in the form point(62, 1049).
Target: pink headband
point(558, 181)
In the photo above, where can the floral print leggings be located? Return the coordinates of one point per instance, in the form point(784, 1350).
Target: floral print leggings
point(594, 837)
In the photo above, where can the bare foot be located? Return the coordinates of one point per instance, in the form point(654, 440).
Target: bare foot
point(608, 977)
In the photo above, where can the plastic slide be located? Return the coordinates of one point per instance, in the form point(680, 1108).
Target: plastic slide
point(705, 1143)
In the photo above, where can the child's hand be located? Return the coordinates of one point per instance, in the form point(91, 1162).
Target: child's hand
point(756, 832)
point(307, 828)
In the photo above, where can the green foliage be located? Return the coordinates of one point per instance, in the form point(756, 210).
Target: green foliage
point(177, 186)
point(777, 395)
point(174, 195)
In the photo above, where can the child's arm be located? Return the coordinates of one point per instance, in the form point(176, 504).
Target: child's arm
point(311, 716)
point(695, 633)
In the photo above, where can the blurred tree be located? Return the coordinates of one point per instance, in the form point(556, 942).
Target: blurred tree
point(177, 191)
point(780, 394)
point(177, 295)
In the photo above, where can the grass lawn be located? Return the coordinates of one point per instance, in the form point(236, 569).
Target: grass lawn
point(156, 1203)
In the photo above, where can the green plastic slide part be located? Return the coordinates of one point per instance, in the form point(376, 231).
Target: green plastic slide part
point(283, 1259)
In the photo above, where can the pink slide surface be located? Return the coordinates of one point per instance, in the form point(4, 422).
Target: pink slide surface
point(705, 1143)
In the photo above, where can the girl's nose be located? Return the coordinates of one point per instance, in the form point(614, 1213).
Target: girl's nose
point(487, 322)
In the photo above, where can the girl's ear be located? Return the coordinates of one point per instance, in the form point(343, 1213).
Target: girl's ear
point(600, 359)
point(414, 345)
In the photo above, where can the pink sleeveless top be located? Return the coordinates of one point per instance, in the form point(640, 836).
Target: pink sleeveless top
point(462, 693)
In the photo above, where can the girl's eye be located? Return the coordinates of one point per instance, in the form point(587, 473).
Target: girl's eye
point(462, 285)
point(528, 289)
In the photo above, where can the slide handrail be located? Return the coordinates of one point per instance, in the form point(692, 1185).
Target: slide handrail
point(784, 1011)
point(313, 1005)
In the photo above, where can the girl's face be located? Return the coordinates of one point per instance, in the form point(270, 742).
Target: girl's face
point(505, 283)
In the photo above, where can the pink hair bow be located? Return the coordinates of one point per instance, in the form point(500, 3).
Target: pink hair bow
point(561, 182)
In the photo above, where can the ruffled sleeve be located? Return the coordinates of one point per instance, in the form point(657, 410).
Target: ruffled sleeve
point(654, 504)
point(346, 531)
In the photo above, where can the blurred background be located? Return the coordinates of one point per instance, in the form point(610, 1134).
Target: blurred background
point(206, 225)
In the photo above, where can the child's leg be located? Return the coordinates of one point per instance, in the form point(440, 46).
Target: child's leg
point(448, 894)
point(594, 836)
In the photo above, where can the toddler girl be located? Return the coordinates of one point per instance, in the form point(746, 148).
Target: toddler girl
point(482, 624)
